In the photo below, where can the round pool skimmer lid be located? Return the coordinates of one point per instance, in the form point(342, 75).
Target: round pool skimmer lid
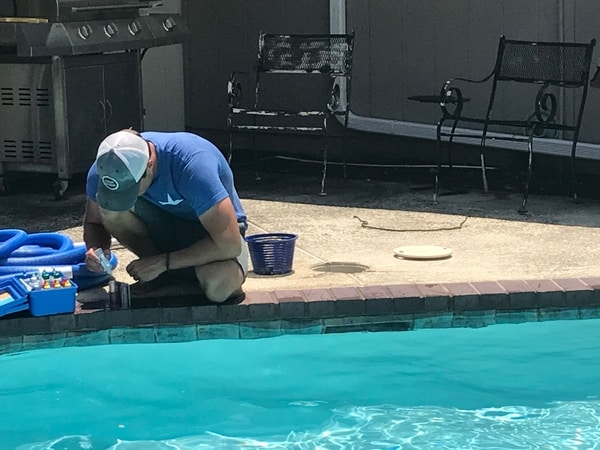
point(424, 252)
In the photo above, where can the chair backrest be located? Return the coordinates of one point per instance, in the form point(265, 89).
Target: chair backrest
point(551, 66)
point(552, 63)
point(306, 53)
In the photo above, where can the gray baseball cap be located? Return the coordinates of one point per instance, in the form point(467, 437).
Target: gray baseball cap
point(121, 162)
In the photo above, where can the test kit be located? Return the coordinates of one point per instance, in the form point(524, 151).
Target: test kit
point(44, 293)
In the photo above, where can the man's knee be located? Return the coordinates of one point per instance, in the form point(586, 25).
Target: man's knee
point(217, 294)
point(219, 290)
point(220, 280)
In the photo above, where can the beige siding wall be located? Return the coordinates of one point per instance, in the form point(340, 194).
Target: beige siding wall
point(403, 47)
point(411, 47)
point(225, 39)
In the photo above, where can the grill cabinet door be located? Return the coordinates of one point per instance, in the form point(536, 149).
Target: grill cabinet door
point(122, 95)
point(85, 113)
point(103, 95)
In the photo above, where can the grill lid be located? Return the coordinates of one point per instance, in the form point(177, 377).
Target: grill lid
point(80, 10)
point(77, 27)
point(78, 38)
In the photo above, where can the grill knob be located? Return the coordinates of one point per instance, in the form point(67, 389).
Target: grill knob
point(169, 23)
point(110, 29)
point(85, 31)
point(135, 27)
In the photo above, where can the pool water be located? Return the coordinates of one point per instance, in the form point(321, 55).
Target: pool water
point(517, 386)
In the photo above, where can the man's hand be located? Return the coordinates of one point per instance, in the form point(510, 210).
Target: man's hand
point(92, 262)
point(147, 268)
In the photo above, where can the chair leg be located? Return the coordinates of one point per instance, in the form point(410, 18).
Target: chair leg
point(344, 162)
point(256, 160)
point(229, 142)
point(574, 174)
point(440, 150)
point(256, 172)
point(486, 189)
point(324, 172)
point(436, 186)
point(523, 208)
point(454, 124)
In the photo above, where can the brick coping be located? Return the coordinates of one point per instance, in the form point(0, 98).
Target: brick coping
point(399, 307)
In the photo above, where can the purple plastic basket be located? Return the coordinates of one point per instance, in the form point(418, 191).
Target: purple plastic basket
point(272, 253)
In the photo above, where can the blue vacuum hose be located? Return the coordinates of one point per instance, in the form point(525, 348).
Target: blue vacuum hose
point(11, 240)
point(39, 244)
point(21, 252)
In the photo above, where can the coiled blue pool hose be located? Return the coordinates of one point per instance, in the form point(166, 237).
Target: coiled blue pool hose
point(21, 252)
point(42, 244)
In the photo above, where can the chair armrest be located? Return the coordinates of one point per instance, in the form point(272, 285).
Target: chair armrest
point(452, 95)
point(468, 80)
point(546, 106)
point(339, 96)
point(333, 103)
point(234, 90)
point(595, 81)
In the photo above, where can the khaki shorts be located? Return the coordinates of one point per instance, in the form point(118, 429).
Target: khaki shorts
point(170, 233)
point(243, 258)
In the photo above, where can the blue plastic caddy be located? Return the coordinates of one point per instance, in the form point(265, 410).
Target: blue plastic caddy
point(13, 297)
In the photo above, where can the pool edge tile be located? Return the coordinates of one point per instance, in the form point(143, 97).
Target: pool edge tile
point(372, 307)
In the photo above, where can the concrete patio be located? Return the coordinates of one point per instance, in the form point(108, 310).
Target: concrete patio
point(345, 266)
point(348, 237)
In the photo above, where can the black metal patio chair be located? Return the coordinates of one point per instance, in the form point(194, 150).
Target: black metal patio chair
point(295, 56)
point(537, 90)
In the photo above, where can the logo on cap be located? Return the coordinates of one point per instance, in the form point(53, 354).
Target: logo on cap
point(110, 183)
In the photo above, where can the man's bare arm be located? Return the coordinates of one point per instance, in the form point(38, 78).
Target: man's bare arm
point(223, 242)
point(94, 233)
point(130, 231)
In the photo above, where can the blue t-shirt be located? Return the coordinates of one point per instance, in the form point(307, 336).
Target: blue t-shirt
point(192, 176)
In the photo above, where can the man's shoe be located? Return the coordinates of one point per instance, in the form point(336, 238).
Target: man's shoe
point(140, 288)
point(237, 297)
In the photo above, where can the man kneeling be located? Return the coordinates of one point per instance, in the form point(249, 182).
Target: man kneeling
point(170, 199)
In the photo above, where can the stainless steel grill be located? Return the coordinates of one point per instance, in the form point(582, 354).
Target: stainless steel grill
point(70, 74)
point(76, 27)
point(76, 10)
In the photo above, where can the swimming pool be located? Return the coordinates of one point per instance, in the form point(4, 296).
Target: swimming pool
point(503, 386)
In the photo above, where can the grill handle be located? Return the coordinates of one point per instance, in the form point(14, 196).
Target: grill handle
point(140, 5)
